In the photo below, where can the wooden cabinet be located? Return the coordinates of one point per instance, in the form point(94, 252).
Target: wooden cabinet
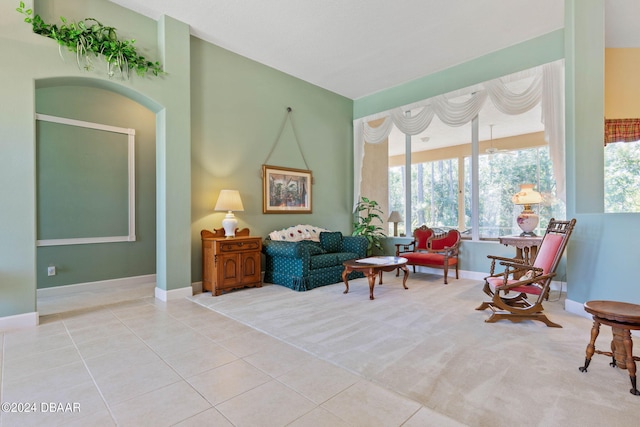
point(230, 263)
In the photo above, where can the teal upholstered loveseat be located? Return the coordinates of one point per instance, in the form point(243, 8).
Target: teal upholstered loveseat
point(307, 264)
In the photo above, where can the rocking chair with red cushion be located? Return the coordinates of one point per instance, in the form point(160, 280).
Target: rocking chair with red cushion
point(431, 249)
point(510, 296)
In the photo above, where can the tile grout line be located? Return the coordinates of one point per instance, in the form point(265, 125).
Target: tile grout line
point(84, 363)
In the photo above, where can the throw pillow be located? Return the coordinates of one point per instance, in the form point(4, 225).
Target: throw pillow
point(331, 241)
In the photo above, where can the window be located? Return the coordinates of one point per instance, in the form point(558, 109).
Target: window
point(511, 151)
point(434, 193)
point(500, 176)
point(449, 168)
point(622, 177)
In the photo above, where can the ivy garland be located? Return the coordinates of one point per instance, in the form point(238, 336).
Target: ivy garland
point(89, 38)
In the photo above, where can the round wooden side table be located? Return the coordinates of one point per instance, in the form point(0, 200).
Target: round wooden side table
point(623, 317)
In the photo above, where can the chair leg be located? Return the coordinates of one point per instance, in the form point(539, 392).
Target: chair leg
point(446, 270)
point(487, 289)
point(484, 305)
point(495, 316)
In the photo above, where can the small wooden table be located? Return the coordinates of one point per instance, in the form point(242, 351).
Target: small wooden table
point(372, 267)
point(622, 317)
point(526, 247)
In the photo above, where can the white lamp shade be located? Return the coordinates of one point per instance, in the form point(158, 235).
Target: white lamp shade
point(526, 196)
point(395, 217)
point(229, 200)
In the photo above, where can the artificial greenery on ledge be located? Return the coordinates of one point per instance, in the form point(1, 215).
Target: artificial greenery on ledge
point(89, 38)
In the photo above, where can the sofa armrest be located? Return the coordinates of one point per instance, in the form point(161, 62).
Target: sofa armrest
point(355, 244)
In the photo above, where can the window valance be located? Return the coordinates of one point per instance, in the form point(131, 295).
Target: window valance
point(546, 87)
point(621, 130)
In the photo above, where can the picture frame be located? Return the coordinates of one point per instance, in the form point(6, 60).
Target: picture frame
point(286, 190)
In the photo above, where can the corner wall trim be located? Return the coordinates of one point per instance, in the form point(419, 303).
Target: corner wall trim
point(174, 294)
point(19, 321)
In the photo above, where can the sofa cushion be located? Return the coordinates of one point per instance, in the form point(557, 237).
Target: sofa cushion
point(322, 261)
point(313, 248)
point(346, 256)
point(331, 241)
point(423, 258)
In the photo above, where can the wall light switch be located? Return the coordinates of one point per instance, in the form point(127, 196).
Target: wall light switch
point(51, 270)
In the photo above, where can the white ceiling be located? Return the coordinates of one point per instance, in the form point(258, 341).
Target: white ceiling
point(359, 47)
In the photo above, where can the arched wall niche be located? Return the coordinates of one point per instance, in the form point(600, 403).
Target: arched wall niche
point(108, 85)
point(113, 104)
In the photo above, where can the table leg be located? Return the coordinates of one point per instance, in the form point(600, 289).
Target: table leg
point(372, 281)
point(591, 347)
point(380, 277)
point(618, 350)
point(345, 273)
point(631, 364)
point(406, 274)
point(519, 255)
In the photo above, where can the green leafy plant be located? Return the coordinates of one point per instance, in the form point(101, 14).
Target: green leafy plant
point(89, 38)
point(367, 218)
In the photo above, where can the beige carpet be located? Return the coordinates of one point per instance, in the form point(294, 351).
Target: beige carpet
point(429, 344)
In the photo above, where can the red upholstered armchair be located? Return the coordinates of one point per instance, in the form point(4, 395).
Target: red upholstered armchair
point(431, 249)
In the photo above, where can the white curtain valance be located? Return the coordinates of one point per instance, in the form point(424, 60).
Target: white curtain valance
point(547, 86)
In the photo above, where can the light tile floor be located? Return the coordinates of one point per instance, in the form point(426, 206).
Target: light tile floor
point(147, 363)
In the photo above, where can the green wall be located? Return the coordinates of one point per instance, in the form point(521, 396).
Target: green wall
point(103, 261)
point(238, 107)
point(35, 61)
point(233, 106)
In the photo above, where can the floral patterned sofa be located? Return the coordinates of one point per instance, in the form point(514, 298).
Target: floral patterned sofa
point(306, 257)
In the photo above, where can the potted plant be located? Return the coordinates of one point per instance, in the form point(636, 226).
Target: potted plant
point(368, 223)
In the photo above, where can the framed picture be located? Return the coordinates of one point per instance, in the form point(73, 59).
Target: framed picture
point(285, 190)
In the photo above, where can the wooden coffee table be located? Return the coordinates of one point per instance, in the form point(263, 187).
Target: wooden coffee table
point(372, 267)
point(622, 317)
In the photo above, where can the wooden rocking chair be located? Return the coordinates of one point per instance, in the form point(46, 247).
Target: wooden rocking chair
point(510, 296)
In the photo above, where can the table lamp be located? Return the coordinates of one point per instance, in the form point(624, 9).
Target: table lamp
point(229, 200)
point(395, 218)
point(527, 219)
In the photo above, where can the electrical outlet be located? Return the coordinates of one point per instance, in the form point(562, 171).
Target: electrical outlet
point(51, 270)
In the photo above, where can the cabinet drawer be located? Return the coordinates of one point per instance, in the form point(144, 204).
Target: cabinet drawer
point(235, 246)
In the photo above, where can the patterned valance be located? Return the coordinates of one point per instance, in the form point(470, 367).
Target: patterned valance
point(621, 130)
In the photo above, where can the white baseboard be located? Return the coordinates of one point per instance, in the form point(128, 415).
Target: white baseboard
point(94, 286)
point(19, 321)
point(575, 307)
point(174, 294)
point(197, 288)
